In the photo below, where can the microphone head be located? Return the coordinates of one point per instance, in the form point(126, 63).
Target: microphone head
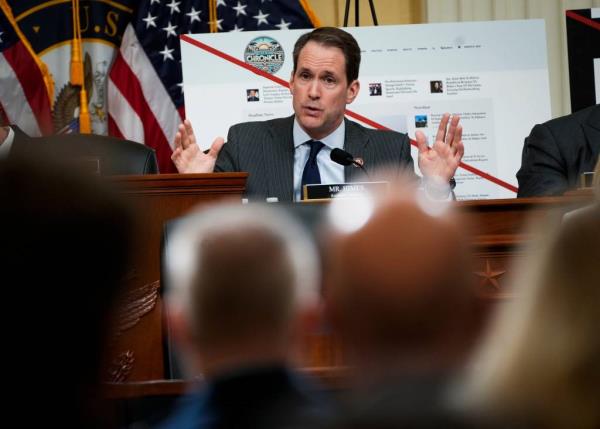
point(342, 157)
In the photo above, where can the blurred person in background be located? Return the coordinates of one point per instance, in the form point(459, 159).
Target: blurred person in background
point(539, 365)
point(244, 285)
point(557, 152)
point(64, 246)
point(399, 295)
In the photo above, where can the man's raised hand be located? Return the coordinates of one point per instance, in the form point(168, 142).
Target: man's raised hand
point(187, 156)
point(442, 159)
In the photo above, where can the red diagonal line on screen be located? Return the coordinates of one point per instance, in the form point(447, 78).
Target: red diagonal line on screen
point(583, 19)
point(234, 60)
point(464, 166)
point(354, 115)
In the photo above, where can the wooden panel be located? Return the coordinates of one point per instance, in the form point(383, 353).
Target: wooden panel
point(497, 231)
point(330, 378)
point(137, 346)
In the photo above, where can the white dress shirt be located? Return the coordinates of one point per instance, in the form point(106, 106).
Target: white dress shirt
point(330, 171)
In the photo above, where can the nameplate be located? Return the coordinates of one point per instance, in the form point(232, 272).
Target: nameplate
point(87, 164)
point(345, 190)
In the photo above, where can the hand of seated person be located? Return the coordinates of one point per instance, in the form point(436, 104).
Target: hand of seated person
point(188, 157)
point(442, 159)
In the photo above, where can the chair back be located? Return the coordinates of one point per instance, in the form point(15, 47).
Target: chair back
point(103, 155)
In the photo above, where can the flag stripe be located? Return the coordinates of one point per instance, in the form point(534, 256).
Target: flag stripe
point(125, 118)
point(30, 76)
point(26, 99)
point(139, 104)
point(126, 82)
point(26, 96)
point(3, 117)
point(151, 86)
point(14, 102)
point(113, 128)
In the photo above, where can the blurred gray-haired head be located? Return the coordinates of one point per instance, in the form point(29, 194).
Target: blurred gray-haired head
point(235, 270)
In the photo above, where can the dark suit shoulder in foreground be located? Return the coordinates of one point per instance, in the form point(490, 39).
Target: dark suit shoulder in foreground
point(271, 397)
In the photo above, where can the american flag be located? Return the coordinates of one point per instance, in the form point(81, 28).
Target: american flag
point(24, 98)
point(145, 89)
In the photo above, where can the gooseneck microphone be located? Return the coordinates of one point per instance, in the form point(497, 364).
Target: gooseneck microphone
point(344, 158)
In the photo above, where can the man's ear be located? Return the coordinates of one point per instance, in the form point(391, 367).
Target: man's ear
point(312, 318)
point(352, 91)
point(179, 327)
point(187, 350)
point(305, 324)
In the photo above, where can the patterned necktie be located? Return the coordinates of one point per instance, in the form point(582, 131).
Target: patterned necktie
point(311, 175)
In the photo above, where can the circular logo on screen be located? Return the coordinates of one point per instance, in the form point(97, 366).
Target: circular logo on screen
point(264, 53)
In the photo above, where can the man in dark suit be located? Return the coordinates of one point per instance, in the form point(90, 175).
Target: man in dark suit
point(557, 152)
point(243, 291)
point(276, 153)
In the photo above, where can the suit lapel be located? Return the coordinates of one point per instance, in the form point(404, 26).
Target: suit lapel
point(20, 140)
point(279, 159)
point(355, 143)
point(591, 129)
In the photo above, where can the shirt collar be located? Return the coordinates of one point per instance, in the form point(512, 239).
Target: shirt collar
point(7, 143)
point(332, 141)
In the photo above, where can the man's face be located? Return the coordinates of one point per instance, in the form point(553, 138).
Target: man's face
point(320, 89)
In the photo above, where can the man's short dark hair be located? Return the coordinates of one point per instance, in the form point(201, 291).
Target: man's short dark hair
point(336, 38)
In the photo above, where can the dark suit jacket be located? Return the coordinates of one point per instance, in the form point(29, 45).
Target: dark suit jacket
point(412, 400)
point(265, 149)
point(253, 398)
point(558, 151)
point(20, 137)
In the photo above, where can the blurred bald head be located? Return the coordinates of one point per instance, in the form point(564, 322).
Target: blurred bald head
point(241, 276)
point(400, 283)
point(245, 285)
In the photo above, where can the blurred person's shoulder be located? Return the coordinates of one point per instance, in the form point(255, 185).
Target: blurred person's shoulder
point(589, 212)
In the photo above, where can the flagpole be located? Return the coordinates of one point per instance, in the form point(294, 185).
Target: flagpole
point(77, 74)
point(48, 81)
point(212, 16)
point(311, 13)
